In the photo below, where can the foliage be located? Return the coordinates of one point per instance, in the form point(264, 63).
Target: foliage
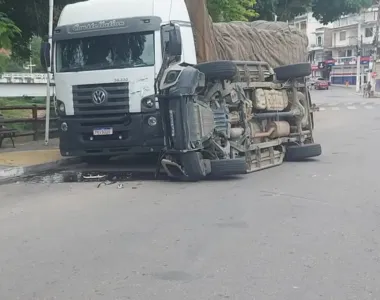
point(13, 65)
point(4, 61)
point(16, 64)
point(231, 10)
point(31, 17)
point(35, 54)
point(8, 31)
point(324, 11)
point(330, 10)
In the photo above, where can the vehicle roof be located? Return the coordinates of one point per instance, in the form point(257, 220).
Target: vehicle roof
point(96, 10)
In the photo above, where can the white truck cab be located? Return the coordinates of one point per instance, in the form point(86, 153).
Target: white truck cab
point(106, 57)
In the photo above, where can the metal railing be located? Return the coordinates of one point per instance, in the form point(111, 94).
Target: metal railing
point(25, 78)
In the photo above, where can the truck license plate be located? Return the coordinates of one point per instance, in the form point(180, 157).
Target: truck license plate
point(103, 131)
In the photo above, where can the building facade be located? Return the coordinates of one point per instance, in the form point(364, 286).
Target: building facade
point(352, 36)
point(320, 40)
point(335, 48)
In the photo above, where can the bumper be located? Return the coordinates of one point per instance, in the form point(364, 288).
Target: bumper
point(131, 134)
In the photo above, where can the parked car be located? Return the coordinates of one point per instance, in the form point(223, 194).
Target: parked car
point(321, 84)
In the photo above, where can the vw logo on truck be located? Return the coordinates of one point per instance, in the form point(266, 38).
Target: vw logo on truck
point(99, 96)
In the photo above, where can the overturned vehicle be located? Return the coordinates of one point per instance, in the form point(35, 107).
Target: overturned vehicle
point(231, 117)
point(243, 107)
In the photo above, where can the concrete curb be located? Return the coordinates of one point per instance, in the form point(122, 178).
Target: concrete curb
point(11, 173)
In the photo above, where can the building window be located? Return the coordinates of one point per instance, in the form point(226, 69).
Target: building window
point(341, 53)
point(349, 53)
point(342, 35)
point(303, 26)
point(368, 32)
point(328, 55)
point(366, 52)
point(319, 41)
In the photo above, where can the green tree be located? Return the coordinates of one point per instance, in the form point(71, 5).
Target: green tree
point(324, 11)
point(35, 53)
point(231, 10)
point(8, 31)
point(13, 65)
point(4, 61)
point(31, 17)
point(330, 10)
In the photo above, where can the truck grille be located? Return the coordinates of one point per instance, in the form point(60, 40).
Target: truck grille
point(117, 102)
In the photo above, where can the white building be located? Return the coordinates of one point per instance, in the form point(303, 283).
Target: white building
point(319, 37)
point(309, 25)
point(347, 37)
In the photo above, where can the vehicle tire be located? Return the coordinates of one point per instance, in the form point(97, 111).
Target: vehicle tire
point(96, 160)
point(302, 152)
point(292, 71)
point(193, 166)
point(228, 167)
point(221, 70)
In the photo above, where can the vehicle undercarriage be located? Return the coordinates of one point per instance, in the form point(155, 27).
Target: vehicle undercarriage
point(230, 117)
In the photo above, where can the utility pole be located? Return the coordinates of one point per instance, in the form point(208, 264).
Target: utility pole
point(48, 92)
point(359, 53)
point(30, 57)
point(361, 73)
point(376, 45)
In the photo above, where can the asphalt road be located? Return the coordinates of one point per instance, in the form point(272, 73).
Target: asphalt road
point(299, 231)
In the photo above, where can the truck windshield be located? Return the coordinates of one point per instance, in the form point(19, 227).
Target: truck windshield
point(126, 50)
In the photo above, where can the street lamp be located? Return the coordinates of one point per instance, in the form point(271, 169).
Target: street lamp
point(50, 39)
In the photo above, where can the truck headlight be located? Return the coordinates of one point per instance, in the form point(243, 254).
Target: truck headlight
point(148, 102)
point(60, 108)
point(170, 77)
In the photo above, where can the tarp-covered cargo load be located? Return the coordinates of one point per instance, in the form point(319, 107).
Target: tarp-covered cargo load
point(277, 43)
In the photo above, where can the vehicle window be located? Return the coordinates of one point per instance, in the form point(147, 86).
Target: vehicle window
point(126, 50)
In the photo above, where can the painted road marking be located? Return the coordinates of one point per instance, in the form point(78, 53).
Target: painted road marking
point(368, 106)
point(322, 108)
point(335, 108)
point(351, 107)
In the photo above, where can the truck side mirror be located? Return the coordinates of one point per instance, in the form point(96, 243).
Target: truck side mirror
point(175, 43)
point(45, 55)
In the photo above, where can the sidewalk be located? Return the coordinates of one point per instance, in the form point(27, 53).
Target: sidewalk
point(352, 88)
point(29, 158)
point(344, 86)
